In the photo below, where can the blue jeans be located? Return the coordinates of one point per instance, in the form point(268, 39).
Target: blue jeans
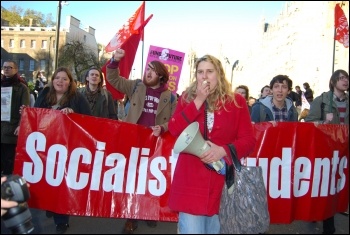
point(198, 224)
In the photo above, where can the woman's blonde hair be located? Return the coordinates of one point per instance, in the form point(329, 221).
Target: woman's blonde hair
point(222, 93)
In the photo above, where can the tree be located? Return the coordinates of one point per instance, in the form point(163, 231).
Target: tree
point(15, 16)
point(78, 57)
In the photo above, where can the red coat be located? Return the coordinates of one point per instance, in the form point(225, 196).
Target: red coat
point(195, 189)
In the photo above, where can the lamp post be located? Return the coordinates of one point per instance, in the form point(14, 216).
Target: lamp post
point(48, 71)
point(233, 67)
point(59, 7)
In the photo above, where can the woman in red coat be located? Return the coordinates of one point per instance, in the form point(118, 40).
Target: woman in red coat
point(196, 188)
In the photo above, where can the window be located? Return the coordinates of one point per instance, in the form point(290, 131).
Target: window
point(42, 65)
point(43, 44)
point(12, 43)
point(84, 38)
point(23, 43)
point(21, 65)
point(31, 65)
point(32, 44)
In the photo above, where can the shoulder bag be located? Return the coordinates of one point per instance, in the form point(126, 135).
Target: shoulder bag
point(243, 208)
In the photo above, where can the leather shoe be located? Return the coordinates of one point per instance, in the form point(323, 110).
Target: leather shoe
point(61, 228)
point(151, 223)
point(130, 226)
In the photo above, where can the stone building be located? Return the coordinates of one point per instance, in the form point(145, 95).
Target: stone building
point(299, 44)
point(33, 48)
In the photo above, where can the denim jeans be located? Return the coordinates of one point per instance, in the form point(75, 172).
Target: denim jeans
point(198, 224)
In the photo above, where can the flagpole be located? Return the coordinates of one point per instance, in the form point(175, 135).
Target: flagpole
point(333, 50)
point(142, 55)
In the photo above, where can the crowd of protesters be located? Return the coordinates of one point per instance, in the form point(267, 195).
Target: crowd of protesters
point(276, 103)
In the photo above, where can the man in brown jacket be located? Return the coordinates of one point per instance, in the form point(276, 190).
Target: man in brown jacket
point(151, 103)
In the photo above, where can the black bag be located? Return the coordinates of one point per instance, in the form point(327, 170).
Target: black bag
point(243, 205)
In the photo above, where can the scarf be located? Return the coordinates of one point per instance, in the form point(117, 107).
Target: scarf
point(91, 97)
point(6, 82)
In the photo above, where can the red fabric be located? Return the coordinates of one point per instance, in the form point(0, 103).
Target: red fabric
point(128, 29)
point(127, 38)
point(89, 166)
point(125, 65)
point(341, 26)
point(195, 189)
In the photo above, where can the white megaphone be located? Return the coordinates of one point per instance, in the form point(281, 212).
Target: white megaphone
point(191, 141)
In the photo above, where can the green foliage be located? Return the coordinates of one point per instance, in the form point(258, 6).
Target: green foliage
point(31, 86)
point(12, 15)
point(15, 16)
point(78, 57)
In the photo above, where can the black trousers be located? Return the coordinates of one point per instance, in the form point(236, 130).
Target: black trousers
point(8, 152)
point(328, 226)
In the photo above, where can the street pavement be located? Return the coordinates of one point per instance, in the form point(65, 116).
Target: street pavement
point(94, 225)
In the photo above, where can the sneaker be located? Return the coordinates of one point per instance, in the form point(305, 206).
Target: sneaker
point(151, 223)
point(61, 228)
point(130, 226)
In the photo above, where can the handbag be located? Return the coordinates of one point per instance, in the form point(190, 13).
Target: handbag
point(243, 210)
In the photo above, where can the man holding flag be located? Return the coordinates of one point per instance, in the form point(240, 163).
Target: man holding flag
point(151, 103)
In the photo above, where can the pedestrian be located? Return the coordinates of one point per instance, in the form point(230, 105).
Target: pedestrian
point(332, 107)
point(14, 94)
point(243, 90)
point(62, 94)
point(100, 100)
point(265, 91)
point(309, 94)
point(151, 104)
point(196, 188)
point(298, 101)
point(278, 107)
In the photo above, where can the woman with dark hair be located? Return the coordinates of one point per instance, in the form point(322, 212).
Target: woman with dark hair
point(62, 94)
point(100, 100)
point(243, 90)
point(309, 94)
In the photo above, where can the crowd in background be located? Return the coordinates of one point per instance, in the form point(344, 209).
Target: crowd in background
point(277, 102)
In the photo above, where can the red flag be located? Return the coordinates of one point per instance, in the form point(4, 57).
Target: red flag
point(129, 45)
point(131, 27)
point(341, 26)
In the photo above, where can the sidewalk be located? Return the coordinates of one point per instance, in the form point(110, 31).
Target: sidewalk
point(92, 225)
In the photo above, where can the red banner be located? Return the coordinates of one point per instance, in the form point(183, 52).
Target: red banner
point(108, 168)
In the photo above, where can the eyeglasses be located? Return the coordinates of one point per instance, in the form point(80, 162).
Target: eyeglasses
point(343, 78)
point(7, 67)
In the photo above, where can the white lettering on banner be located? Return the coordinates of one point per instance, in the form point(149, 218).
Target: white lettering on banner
point(324, 173)
point(113, 179)
point(278, 172)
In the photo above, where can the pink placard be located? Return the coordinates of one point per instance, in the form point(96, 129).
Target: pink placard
point(172, 59)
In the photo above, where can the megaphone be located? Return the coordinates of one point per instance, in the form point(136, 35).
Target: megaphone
point(191, 141)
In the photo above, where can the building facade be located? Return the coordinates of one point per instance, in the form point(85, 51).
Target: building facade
point(34, 48)
point(299, 44)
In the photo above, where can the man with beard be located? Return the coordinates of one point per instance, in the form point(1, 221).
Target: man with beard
point(151, 103)
point(18, 95)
